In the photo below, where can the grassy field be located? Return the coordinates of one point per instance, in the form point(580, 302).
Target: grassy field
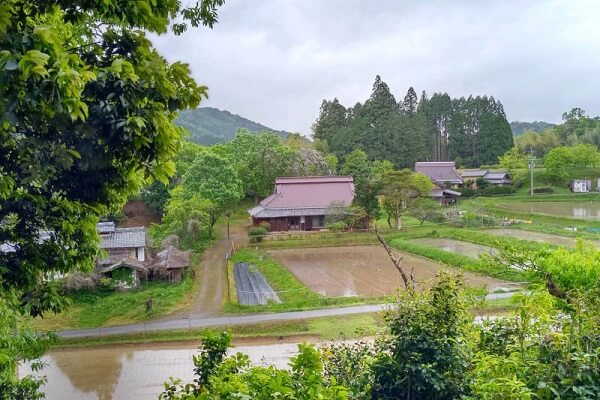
point(292, 293)
point(97, 308)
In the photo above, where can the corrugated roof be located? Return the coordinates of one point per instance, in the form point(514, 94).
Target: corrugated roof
point(125, 262)
point(442, 171)
point(496, 175)
point(124, 238)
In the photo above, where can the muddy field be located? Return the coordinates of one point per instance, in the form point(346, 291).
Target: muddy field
point(533, 236)
point(362, 270)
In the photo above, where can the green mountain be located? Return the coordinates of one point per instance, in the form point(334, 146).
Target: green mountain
point(208, 125)
point(519, 127)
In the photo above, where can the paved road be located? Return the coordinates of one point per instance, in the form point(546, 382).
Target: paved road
point(208, 322)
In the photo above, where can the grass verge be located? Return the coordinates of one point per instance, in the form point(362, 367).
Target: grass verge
point(459, 261)
point(292, 293)
point(326, 328)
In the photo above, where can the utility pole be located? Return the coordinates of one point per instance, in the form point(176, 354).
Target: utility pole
point(531, 167)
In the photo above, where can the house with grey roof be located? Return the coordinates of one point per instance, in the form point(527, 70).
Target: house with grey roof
point(496, 178)
point(301, 203)
point(443, 172)
point(120, 243)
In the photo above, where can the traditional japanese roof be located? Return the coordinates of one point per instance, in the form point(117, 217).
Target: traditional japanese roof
point(438, 193)
point(474, 173)
point(171, 258)
point(491, 176)
point(124, 238)
point(128, 262)
point(305, 195)
point(442, 171)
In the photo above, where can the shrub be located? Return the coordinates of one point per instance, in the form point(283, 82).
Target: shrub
point(498, 190)
point(337, 226)
point(257, 234)
point(266, 225)
point(543, 190)
point(467, 192)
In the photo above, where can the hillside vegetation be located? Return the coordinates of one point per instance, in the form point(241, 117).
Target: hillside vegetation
point(518, 127)
point(208, 125)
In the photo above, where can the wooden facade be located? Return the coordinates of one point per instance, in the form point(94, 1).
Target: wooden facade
point(284, 224)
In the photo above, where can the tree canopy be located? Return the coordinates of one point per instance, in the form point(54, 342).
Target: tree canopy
point(471, 131)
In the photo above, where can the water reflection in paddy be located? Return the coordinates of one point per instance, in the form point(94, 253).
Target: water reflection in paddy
point(580, 210)
point(135, 372)
point(456, 246)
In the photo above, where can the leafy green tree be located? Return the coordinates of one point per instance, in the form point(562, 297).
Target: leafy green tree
point(585, 155)
point(214, 178)
point(557, 161)
point(188, 218)
point(429, 353)
point(259, 158)
point(512, 159)
point(424, 209)
point(87, 107)
point(400, 189)
point(365, 187)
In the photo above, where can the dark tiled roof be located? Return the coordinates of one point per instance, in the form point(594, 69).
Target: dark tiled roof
point(474, 173)
point(124, 238)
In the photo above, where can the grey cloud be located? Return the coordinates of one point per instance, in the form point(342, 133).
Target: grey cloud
point(274, 61)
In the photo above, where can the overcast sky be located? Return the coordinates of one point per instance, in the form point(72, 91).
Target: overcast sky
point(275, 61)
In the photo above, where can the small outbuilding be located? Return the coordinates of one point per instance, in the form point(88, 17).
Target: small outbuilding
point(126, 273)
point(170, 264)
point(581, 186)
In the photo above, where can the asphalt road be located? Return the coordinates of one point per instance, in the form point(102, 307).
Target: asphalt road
point(208, 322)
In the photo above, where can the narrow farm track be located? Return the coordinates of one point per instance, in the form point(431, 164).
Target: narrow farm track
point(210, 276)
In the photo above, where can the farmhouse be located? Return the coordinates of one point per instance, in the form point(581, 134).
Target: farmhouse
point(496, 178)
point(443, 195)
point(443, 172)
point(301, 203)
point(120, 243)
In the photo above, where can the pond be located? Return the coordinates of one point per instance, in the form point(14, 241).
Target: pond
point(456, 246)
point(134, 372)
point(579, 210)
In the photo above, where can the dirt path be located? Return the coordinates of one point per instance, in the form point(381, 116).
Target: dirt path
point(210, 275)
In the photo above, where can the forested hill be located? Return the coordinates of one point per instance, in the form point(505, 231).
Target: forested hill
point(470, 130)
point(519, 127)
point(209, 125)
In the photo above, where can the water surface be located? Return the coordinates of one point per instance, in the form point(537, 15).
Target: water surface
point(456, 246)
point(133, 372)
point(580, 210)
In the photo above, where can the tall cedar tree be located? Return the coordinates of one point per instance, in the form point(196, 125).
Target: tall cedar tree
point(471, 131)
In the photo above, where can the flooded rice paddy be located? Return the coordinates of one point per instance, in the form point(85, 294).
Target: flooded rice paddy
point(456, 246)
point(534, 236)
point(134, 372)
point(362, 270)
point(580, 210)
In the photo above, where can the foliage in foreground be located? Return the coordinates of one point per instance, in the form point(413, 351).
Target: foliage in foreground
point(435, 350)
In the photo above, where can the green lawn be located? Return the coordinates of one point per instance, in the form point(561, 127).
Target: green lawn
point(292, 293)
point(97, 308)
